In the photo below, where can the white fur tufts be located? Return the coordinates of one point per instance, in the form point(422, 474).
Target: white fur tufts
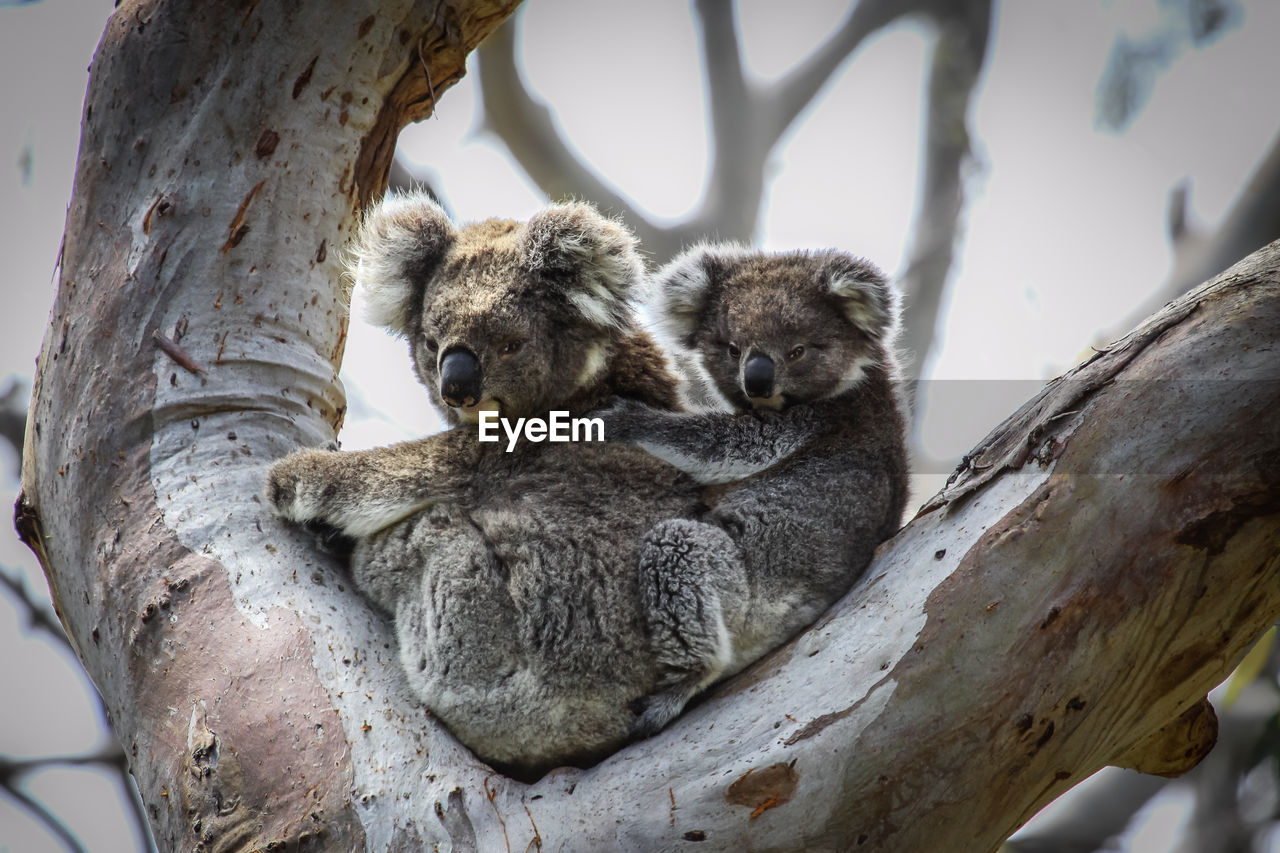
point(593, 364)
point(597, 256)
point(863, 292)
point(857, 370)
point(682, 286)
point(398, 246)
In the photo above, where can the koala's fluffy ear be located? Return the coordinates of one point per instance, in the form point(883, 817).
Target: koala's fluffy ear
point(684, 286)
point(863, 292)
point(590, 258)
point(397, 250)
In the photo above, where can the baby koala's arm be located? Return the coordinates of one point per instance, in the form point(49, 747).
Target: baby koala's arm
point(712, 447)
point(361, 492)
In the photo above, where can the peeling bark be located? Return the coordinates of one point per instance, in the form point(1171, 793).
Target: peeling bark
point(1102, 560)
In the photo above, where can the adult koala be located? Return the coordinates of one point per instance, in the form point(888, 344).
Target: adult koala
point(510, 576)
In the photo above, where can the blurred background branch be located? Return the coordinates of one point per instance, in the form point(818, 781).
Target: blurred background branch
point(956, 64)
point(746, 122)
point(13, 414)
point(39, 616)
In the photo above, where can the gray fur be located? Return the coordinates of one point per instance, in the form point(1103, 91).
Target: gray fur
point(510, 577)
point(802, 486)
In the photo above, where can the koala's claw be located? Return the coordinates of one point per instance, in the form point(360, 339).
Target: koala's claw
point(286, 486)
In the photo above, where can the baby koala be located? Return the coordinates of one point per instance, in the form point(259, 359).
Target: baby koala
point(804, 465)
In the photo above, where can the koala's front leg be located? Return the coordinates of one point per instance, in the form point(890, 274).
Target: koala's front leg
point(362, 492)
point(712, 447)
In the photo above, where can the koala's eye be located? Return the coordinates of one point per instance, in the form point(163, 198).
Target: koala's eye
point(795, 353)
point(432, 345)
point(734, 352)
point(511, 347)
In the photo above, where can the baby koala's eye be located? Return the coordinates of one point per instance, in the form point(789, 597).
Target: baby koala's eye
point(734, 352)
point(511, 347)
point(432, 345)
point(795, 353)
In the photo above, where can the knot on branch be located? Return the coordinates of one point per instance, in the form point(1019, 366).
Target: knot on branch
point(1177, 746)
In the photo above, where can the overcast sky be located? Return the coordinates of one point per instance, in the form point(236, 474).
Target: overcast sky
point(1064, 231)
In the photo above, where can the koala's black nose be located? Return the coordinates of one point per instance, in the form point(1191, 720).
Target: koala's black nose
point(757, 376)
point(460, 378)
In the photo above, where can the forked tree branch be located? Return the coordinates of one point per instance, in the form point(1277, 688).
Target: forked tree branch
point(745, 124)
point(787, 97)
point(529, 130)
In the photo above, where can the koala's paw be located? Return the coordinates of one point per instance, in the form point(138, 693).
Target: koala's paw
point(624, 420)
point(654, 712)
point(296, 486)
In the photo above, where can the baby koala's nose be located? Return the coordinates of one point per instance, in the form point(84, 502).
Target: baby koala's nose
point(757, 376)
point(460, 378)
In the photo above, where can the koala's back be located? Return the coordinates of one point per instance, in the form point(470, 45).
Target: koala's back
point(522, 628)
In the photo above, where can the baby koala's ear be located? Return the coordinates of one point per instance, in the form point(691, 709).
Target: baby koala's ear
point(589, 259)
point(862, 290)
point(397, 250)
point(683, 288)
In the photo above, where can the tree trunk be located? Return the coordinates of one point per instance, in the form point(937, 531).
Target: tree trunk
point(196, 334)
point(1106, 557)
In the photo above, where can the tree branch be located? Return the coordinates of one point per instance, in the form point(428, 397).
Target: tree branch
point(529, 131)
point(958, 58)
point(729, 101)
point(743, 125)
point(13, 413)
point(42, 814)
point(730, 205)
point(785, 99)
point(38, 615)
point(1252, 221)
point(1104, 806)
